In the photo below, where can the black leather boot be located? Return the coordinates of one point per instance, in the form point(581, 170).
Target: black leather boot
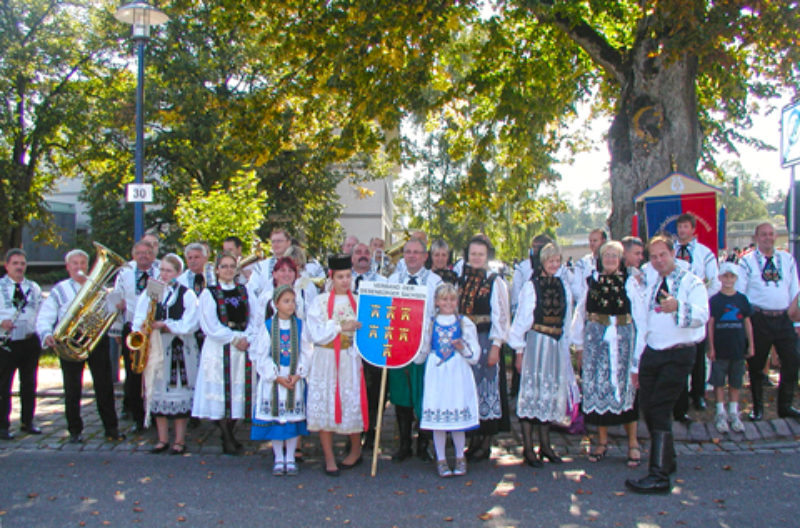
point(228, 445)
point(527, 445)
point(423, 446)
point(661, 462)
point(231, 424)
point(405, 419)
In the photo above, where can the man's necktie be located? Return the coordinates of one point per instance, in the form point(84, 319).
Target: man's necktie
point(663, 290)
point(412, 280)
point(770, 273)
point(358, 282)
point(19, 297)
point(199, 283)
point(684, 254)
point(141, 281)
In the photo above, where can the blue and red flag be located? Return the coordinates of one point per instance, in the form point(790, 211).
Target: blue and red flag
point(392, 317)
point(662, 211)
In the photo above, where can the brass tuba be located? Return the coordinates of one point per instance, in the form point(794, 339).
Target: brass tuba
point(139, 342)
point(395, 253)
point(258, 254)
point(86, 319)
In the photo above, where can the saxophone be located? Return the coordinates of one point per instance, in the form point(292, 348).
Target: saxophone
point(139, 342)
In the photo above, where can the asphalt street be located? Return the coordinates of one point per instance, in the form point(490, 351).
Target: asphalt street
point(54, 489)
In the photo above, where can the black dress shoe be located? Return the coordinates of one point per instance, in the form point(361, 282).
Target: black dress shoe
point(30, 429)
point(532, 460)
point(159, 448)
point(358, 462)
point(685, 419)
point(789, 412)
point(699, 403)
point(137, 429)
point(651, 484)
point(756, 415)
point(6, 435)
point(550, 455)
point(331, 472)
point(401, 454)
point(114, 436)
point(76, 439)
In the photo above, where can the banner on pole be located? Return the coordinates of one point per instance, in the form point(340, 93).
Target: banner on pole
point(392, 317)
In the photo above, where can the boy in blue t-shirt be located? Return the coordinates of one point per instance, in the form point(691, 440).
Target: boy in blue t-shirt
point(730, 340)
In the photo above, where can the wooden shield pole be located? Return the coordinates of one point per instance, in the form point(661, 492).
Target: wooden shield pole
point(377, 444)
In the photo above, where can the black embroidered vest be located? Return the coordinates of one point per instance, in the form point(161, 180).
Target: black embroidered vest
point(475, 296)
point(551, 302)
point(607, 295)
point(174, 312)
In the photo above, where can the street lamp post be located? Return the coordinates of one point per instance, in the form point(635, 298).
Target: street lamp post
point(141, 16)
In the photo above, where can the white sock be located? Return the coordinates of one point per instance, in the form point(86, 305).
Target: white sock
point(733, 408)
point(277, 450)
point(459, 441)
point(440, 443)
point(291, 445)
point(720, 407)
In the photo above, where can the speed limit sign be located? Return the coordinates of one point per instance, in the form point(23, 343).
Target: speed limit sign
point(139, 192)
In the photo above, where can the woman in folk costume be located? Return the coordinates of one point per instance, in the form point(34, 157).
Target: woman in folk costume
point(281, 355)
point(337, 395)
point(440, 261)
point(608, 330)
point(450, 398)
point(540, 336)
point(304, 287)
point(171, 370)
point(483, 297)
point(227, 321)
point(285, 273)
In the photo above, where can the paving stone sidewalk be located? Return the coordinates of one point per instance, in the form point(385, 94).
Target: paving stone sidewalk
point(699, 437)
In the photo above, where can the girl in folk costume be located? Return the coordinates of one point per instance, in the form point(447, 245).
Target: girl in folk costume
point(540, 336)
point(608, 331)
point(483, 297)
point(450, 398)
point(171, 369)
point(226, 320)
point(337, 395)
point(281, 355)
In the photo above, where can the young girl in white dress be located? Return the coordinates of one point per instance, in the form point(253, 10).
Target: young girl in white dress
point(450, 397)
point(281, 356)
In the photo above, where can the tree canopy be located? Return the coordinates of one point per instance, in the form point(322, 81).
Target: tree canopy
point(305, 94)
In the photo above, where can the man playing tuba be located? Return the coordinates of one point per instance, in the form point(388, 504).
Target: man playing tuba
point(52, 311)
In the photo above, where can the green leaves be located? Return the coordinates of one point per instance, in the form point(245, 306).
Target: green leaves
point(236, 210)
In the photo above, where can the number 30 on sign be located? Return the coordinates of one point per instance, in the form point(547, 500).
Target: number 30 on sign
point(139, 192)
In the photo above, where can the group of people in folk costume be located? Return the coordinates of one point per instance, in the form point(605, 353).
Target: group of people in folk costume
point(262, 343)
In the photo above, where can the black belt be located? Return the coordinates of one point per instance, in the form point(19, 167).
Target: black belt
point(770, 313)
point(673, 347)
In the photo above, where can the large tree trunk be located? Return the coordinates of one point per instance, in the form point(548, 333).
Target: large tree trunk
point(656, 125)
